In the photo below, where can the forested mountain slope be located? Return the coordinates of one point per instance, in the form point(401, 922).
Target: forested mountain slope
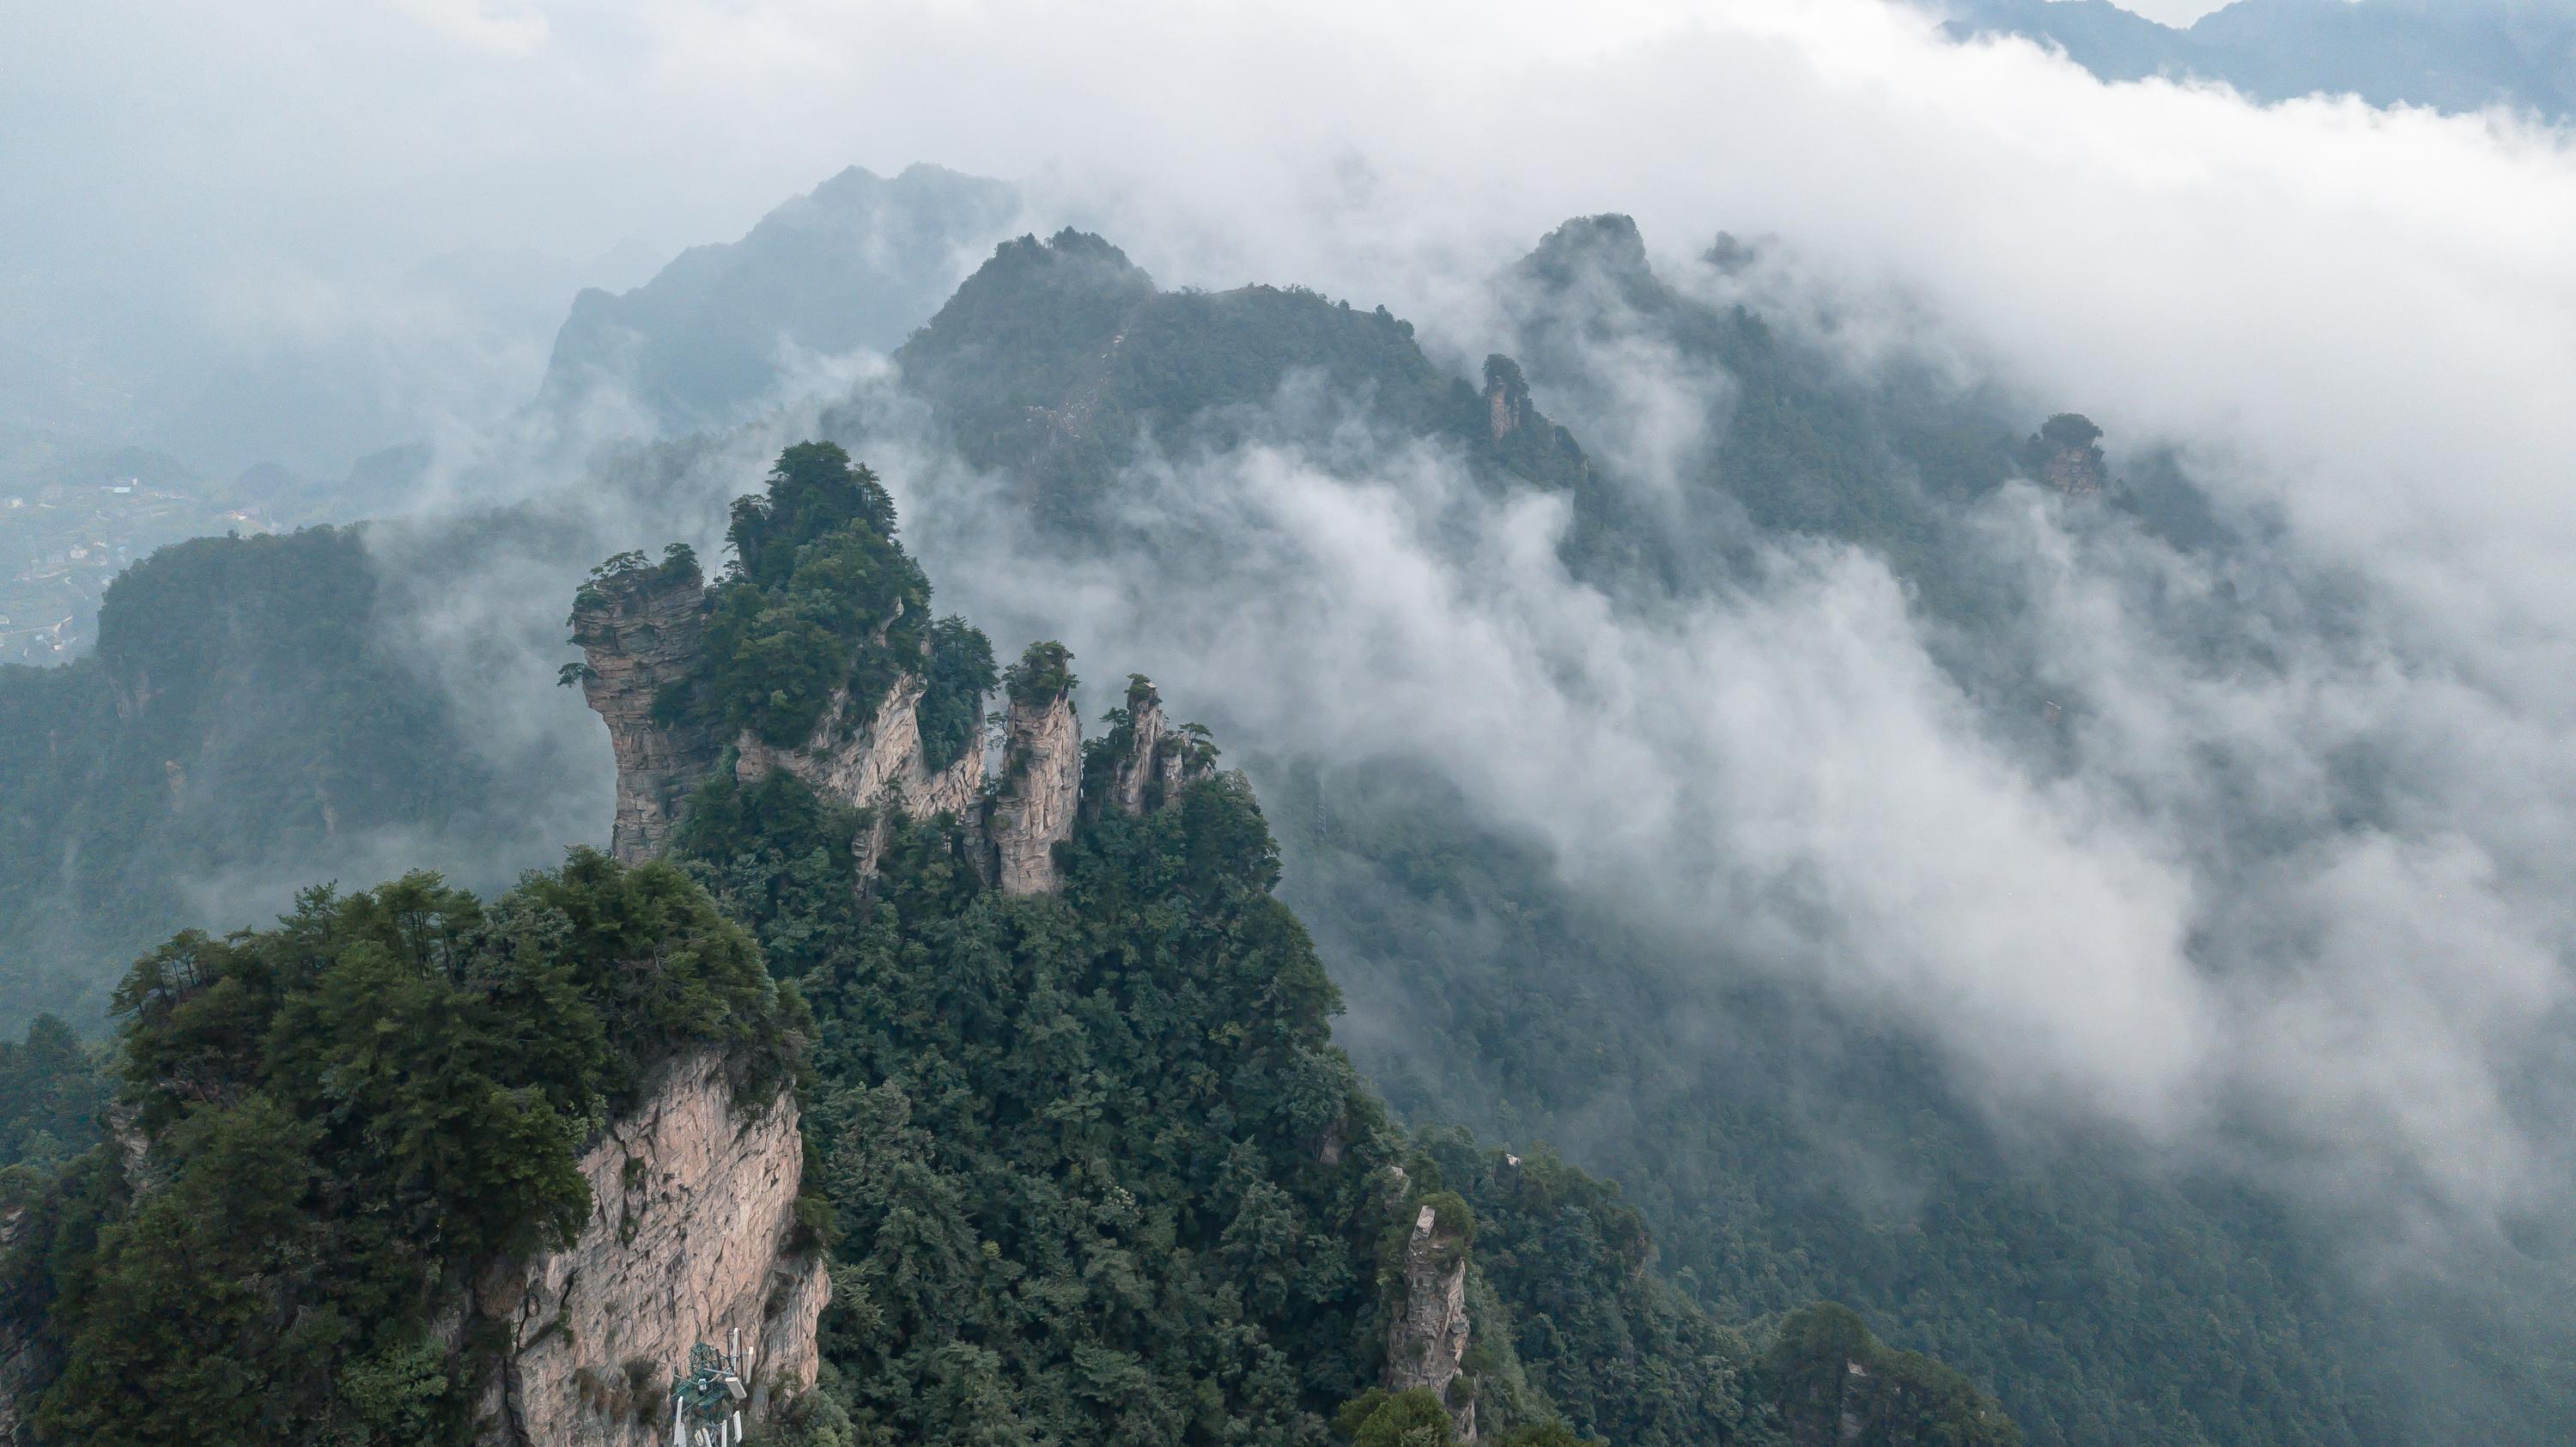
point(1783, 1147)
point(722, 331)
point(1059, 363)
point(244, 710)
point(1085, 1160)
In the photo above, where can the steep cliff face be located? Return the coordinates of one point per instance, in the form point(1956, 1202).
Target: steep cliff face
point(875, 762)
point(1426, 1343)
point(1153, 759)
point(640, 633)
point(1507, 399)
point(1041, 790)
point(663, 653)
point(861, 760)
point(642, 640)
point(23, 1363)
point(692, 1236)
point(2073, 471)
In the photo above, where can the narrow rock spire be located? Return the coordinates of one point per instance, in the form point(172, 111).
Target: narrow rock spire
point(1426, 1343)
point(1041, 784)
point(640, 629)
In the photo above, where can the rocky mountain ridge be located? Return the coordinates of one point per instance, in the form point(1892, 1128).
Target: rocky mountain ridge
point(641, 631)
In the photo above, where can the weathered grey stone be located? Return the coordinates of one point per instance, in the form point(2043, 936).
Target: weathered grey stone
point(637, 633)
point(1158, 759)
point(692, 1235)
point(1427, 1341)
point(1041, 792)
point(866, 762)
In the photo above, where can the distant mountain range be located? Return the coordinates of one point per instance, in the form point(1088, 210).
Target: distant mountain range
point(2451, 55)
point(718, 335)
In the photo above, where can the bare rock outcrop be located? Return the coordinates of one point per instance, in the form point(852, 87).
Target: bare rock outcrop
point(1507, 398)
point(956, 790)
point(876, 762)
point(864, 762)
point(1041, 791)
point(1426, 1343)
point(692, 1235)
point(2066, 455)
point(640, 632)
point(1154, 760)
point(24, 1363)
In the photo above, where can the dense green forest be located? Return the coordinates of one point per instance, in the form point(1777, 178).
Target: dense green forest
point(2107, 1305)
point(1088, 1163)
point(1783, 1151)
point(1095, 1164)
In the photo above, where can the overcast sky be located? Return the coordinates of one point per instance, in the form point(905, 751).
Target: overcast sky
point(213, 155)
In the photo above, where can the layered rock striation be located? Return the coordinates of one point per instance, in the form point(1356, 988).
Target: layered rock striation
point(692, 1237)
point(1149, 758)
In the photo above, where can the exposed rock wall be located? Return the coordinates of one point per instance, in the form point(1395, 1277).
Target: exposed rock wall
point(638, 633)
point(957, 789)
point(23, 1365)
point(1426, 1344)
point(860, 761)
point(1507, 398)
point(642, 633)
point(2066, 455)
point(692, 1234)
point(1158, 759)
point(2073, 470)
point(1041, 790)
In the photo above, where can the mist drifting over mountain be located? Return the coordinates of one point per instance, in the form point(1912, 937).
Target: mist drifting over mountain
point(2102, 913)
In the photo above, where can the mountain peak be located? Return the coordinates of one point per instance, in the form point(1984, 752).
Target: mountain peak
point(1607, 246)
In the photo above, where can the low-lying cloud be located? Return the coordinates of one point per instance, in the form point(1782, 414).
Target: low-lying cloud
point(2293, 900)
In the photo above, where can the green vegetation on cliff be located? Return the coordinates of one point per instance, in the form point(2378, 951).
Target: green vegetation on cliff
point(240, 708)
point(821, 600)
point(1089, 1164)
point(1096, 1173)
point(51, 1094)
point(348, 1115)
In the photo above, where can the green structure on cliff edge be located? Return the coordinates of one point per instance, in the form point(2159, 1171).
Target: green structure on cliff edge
point(706, 1404)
